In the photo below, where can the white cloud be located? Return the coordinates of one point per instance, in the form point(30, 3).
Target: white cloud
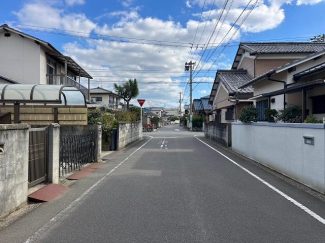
point(203, 91)
point(74, 2)
point(188, 4)
point(52, 17)
point(127, 3)
point(262, 18)
point(306, 2)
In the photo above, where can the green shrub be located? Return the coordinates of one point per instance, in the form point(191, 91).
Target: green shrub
point(291, 114)
point(155, 120)
point(248, 114)
point(197, 121)
point(312, 119)
point(126, 116)
point(270, 114)
point(95, 116)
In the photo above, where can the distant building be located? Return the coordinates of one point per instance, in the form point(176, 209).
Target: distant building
point(105, 98)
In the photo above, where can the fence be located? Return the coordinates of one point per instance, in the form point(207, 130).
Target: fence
point(219, 132)
point(295, 150)
point(128, 133)
point(76, 151)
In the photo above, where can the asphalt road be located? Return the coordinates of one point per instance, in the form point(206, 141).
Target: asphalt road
point(175, 187)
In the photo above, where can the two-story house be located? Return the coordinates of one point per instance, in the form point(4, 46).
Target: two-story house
point(28, 60)
point(105, 98)
point(255, 59)
point(301, 82)
point(159, 111)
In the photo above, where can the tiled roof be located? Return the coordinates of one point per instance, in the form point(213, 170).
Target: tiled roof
point(309, 71)
point(100, 90)
point(282, 47)
point(205, 103)
point(284, 67)
point(202, 104)
point(276, 48)
point(233, 79)
point(198, 105)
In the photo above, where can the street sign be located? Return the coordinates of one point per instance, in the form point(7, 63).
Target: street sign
point(141, 102)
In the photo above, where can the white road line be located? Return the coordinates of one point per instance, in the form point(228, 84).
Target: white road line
point(164, 137)
point(307, 210)
point(59, 216)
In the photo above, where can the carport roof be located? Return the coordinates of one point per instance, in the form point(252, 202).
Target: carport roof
point(41, 94)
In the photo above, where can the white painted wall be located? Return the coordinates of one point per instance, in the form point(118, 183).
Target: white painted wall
point(281, 147)
point(43, 66)
point(105, 98)
point(19, 59)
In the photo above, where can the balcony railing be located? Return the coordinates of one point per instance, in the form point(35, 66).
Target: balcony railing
point(61, 80)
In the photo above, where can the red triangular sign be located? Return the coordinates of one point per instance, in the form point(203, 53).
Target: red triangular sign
point(141, 102)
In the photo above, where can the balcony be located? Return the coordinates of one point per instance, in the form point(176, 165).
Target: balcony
point(58, 79)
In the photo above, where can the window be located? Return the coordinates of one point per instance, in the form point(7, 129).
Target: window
point(261, 106)
point(230, 114)
point(96, 99)
point(318, 104)
point(111, 99)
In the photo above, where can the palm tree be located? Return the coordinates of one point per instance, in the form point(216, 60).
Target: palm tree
point(127, 91)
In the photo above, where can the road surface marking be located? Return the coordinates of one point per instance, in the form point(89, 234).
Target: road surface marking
point(164, 137)
point(162, 144)
point(64, 212)
point(304, 208)
point(177, 130)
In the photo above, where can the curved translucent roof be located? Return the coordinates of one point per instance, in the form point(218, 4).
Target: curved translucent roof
point(43, 94)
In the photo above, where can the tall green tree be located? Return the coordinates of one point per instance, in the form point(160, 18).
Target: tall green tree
point(127, 91)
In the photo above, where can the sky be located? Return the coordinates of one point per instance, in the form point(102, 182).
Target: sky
point(149, 40)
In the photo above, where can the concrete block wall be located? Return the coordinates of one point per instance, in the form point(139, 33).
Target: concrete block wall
point(219, 132)
point(128, 133)
point(14, 143)
point(281, 146)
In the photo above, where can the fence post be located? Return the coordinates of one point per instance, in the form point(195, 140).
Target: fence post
point(54, 153)
point(99, 142)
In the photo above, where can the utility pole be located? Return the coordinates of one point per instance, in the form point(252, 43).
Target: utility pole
point(180, 107)
point(189, 67)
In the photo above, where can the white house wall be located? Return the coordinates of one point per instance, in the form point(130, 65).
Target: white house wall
point(43, 67)
point(19, 59)
point(302, 67)
point(247, 63)
point(222, 98)
point(105, 98)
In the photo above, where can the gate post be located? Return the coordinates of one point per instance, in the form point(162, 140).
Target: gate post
point(99, 142)
point(54, 153)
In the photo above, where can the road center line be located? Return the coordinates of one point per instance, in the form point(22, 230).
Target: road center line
point(59, 216)
point(304, 208)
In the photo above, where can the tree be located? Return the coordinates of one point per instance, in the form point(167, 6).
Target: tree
point(127, 91)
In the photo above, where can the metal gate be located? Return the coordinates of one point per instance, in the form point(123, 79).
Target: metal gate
point(76, 151)
point(37, 166)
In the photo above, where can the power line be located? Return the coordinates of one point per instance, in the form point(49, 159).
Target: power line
point(196, 31)
point(231, 37)
point(232, 26)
